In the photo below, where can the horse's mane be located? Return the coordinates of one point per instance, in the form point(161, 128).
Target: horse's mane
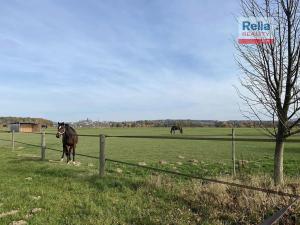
point(69, 128)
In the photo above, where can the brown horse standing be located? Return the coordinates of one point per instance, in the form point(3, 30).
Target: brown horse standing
point(69, 140)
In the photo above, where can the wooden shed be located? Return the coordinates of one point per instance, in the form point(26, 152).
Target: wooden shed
point(24, 127)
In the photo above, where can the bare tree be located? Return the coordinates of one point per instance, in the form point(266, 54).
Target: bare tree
point(270, 73)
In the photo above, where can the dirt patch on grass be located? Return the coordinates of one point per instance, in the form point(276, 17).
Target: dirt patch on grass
point(32, 212)
point(12, 212)
point(20, 222)
point(36, 198)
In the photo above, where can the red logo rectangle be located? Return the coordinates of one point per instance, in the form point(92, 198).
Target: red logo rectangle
point(256, 41)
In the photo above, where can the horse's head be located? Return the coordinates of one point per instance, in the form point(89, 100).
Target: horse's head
point(61, 129)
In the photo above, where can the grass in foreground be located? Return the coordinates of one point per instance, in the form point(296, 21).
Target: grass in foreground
point(76, 195)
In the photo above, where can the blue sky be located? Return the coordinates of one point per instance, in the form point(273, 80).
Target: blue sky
point(118, 60)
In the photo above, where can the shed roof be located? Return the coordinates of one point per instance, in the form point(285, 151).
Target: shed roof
point(25, 123)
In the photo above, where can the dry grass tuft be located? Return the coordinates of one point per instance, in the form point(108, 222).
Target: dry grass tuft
point(119, 170)
point(221, 204)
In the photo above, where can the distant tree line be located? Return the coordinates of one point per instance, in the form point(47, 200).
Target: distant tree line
point(10, 119)
point(142, 123)
point(169, 123)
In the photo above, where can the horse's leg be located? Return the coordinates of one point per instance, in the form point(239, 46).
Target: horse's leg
point(74, 147)
point(63, 153)
point(71, 154)
point(62, 157)
point(68, 152)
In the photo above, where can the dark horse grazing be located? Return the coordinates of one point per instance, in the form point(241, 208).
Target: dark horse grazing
point(174, 128)
point(69, 140)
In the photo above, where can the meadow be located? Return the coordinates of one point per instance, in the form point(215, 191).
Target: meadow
point(52, 192)
point(214, 157)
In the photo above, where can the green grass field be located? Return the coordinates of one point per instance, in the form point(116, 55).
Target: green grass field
point(214, 156)
point(72, 194)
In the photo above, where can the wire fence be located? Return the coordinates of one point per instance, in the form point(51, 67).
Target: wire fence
point(269, 221)
point(215, 137)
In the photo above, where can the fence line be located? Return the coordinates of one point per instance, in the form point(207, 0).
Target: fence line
point(213, 138)
point(43, 144)
point(48, 148)
point(79, 154)
point(276, 216)
point(233, 151)
point(237, 138)
point(13, 139)
point(171, 172)
point(268, 191)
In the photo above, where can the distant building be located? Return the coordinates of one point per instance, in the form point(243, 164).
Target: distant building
point(24, 127)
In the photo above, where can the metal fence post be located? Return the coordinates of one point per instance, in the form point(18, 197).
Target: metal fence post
point(233, 151)
point(102, 156)
point(43, 145)
point(13, 140)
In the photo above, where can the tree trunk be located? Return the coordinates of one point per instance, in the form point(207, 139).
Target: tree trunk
point(278, 162)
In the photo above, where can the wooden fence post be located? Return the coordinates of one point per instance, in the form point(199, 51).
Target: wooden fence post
point(13, 140)
point(233, 152)
point(43, 145)
point(102, 156)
